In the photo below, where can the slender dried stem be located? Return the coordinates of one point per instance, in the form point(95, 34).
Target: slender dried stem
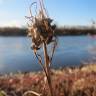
point(31, 92)
point(46, 59)
point(40, 62)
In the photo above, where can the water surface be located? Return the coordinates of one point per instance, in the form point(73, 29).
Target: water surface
point(16, 54)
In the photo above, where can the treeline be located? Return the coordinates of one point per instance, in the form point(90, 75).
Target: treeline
point(15, 31)
point(75, 31)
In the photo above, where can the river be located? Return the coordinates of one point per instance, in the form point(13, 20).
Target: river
point(16, 54)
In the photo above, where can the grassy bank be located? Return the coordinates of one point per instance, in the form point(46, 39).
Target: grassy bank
point(79, 81)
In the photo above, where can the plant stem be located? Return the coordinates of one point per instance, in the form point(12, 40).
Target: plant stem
point(47, 68)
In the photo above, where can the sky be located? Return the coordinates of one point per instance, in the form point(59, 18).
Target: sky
point(64, 12)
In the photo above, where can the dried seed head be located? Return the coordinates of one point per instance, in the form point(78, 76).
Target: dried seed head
point(41, 28)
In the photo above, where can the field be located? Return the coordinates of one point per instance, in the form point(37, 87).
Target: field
point(79, 81)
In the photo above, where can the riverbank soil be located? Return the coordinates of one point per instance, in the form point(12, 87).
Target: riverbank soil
point(75, 81)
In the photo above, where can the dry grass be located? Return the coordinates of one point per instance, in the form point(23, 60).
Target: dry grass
point(66, 82)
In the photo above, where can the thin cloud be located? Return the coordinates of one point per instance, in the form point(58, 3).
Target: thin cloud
point(12, 23)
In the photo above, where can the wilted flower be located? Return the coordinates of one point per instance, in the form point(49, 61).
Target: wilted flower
point(41, 29)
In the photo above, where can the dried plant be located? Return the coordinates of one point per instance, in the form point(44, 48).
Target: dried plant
point(42, 32)
point(32, 93)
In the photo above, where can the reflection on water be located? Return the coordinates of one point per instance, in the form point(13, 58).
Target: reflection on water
point(16, 55)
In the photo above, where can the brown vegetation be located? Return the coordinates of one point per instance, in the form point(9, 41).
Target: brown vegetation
point(75, 31)
point(41, 30)
point(79, 81)
point(7, 31)
point(13, 31)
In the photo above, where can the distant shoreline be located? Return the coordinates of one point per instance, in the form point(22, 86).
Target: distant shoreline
point(15, 31)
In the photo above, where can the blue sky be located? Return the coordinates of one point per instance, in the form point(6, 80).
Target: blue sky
point(64, 12)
